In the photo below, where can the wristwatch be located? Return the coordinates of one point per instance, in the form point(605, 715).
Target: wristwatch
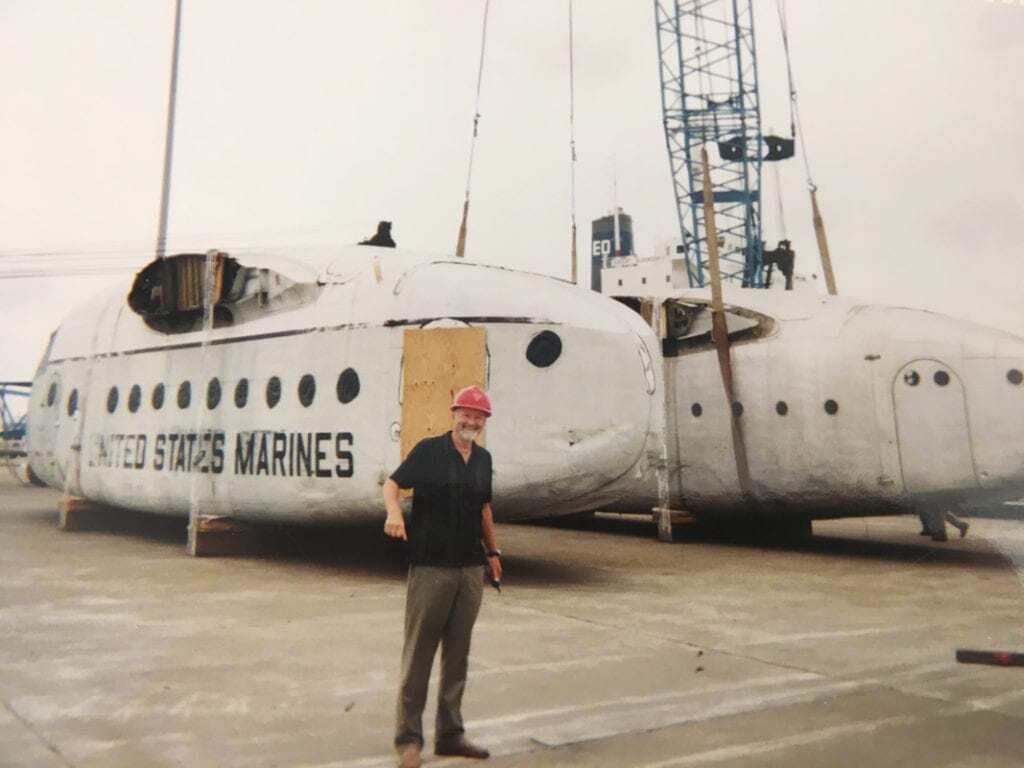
point(494, 553)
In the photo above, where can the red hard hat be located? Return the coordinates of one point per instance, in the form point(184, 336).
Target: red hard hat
point(473, 398)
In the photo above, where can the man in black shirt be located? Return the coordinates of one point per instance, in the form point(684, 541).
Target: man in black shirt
point(450, 531)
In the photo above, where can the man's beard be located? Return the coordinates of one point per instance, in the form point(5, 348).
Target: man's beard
point(468, 435)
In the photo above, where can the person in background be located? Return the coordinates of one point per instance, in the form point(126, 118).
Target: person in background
point(933, 523)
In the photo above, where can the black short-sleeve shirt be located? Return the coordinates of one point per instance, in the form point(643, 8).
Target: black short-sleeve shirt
point(445, 527)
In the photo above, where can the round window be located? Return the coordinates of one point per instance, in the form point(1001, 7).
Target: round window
point(242, 393)
point(112, 400)
point(544, 349)
point(184, 394)
point(348, 385)
point(73, 402)
point(157, 398)
point(307, 390)
point(213, 394)
point(134, 398)
point(273, 391)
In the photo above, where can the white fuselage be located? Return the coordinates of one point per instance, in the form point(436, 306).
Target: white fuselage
point(848, 409)
point(566, 437)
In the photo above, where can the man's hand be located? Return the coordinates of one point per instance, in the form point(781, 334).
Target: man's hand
point(394, 527)
point(394, 523)
point(495, 565)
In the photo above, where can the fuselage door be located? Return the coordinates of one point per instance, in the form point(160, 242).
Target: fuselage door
point(932, 428)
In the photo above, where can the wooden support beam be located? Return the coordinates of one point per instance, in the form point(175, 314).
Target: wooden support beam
point(78, 514)
point(674, 516)
point(663, 518)
point(218, 536)
point(720, 335)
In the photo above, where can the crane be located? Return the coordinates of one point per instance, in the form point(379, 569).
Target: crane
point(709, 95)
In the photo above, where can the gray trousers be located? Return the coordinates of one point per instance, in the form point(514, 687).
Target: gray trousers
point(441, 605)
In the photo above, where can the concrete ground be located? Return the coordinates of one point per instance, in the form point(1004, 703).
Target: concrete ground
point(605, 648)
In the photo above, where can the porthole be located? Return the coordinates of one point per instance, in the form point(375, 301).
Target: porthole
point(157, 398)
point(134, 398)
point(737, 408)
point(213, 394)
point(1014, 376)
point(273, 391)
point(184, 394)
point(696, 410)
point(544, 349)
point(73, 402)
point(348, 385)
point(912, 378)
point(831, 407)
point(51, 395)
point(781, 408)
point(112, 400)
point(307, 390)
point(242, 393)
point(941, 378)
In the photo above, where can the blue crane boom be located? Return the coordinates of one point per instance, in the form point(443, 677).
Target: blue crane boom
point(709, 94)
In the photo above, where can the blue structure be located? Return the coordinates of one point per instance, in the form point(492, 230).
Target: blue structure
point(13, 428)
point(709, 95)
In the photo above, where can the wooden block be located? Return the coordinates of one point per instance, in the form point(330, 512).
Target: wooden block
point(78, 514)
point(663, 517)
point(217, 536)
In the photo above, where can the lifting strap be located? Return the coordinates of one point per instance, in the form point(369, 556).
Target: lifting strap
point(781, 7)
point(797, 131)
point(460, 247)
point(720, 335)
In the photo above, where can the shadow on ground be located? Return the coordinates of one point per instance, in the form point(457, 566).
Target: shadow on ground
point(351, 547)
point(974, 551)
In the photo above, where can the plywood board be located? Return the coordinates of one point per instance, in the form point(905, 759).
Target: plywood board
point(437, 363)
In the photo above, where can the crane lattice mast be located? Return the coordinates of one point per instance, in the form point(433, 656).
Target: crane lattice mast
point(709, 94)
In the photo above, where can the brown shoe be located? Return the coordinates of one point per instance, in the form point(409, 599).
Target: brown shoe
point(409, 756)
point(462, 748)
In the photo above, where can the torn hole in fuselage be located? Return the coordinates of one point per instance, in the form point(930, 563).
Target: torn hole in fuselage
point(169, 293)
point(686, 324)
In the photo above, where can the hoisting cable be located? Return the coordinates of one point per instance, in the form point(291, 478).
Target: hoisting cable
point(572, 152)
point(460, 247)
point(797, 132)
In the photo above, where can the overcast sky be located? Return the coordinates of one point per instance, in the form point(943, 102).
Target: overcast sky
point(307, 121)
